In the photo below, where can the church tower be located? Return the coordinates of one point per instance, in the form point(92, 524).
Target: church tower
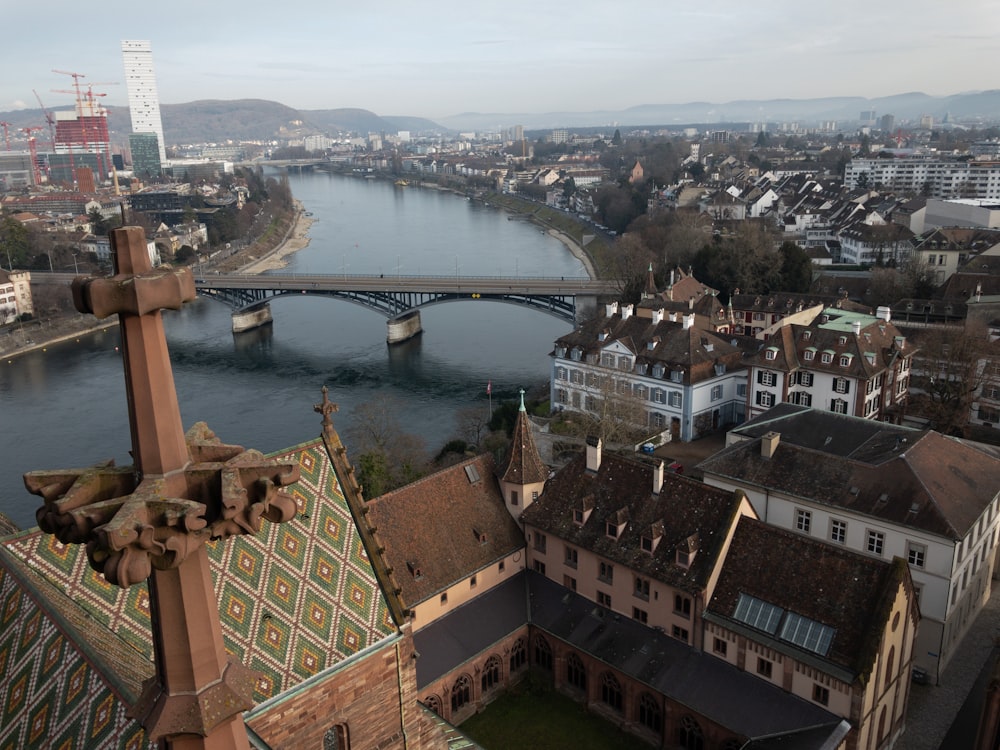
point(522, 474)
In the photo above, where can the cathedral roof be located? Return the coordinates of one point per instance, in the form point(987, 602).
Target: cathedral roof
point(297, 598)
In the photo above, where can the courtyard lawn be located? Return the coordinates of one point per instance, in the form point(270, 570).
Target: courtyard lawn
point(542, 719)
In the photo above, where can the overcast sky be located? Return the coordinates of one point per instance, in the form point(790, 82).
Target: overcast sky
point(440, 57)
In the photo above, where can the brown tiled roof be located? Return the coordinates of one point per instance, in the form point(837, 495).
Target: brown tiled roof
point(878, 338)
point(919, 479)
point(830, 585)
point(693, 349)
point(522, 464)
point(444, 527)
point(682, 509)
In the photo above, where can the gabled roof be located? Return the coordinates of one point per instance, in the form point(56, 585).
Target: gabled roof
point(666, 342)
point(683, 509)
point(911, 478)
point(844, 593)
point(442, 528)
point(295, 599)
point(869, 351)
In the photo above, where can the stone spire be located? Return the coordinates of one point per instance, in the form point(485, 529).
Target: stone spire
point(151, 520)
point(522, 465)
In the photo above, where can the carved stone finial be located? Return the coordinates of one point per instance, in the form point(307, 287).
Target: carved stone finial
point(326, 408)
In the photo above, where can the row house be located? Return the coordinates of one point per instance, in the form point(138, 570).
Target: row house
point(883, 491)
point(847, 363)
point(720, 595)
point(864, 243)
point(662, 372)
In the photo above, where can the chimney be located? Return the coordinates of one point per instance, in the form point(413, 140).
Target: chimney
point(611, 308)
point(626, 312)
point(688, 321)
point(691, 302)
point(657, 477)
point(769, 444)
point(883, 313)
point(657, 316)
point(594, 446)
point(856, 327)
point(673, 317)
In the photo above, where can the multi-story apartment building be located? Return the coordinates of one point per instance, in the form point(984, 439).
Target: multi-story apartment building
point(666, 371)
point(844, 362)
point(692, 563)
point(936, 178)
point(884, 491)
point(15, 295)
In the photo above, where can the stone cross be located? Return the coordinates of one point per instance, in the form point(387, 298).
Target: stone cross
point(151, 520)
point(326, 408)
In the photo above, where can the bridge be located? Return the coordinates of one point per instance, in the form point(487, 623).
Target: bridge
point(400, 297)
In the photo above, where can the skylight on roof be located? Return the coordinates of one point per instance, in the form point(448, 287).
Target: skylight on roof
point(807, 634)
point(758, 614)
point(472, 473)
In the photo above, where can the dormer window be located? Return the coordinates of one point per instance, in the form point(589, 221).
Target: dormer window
point(651, 538)
point(414, 567)
point(687, 550)
point(582, 510)
point(827, 357)
point(810, 353)
point(658, 370)
point(576, 353)
point(806, 335)
point(677, 376)
point(641, 368)
point(771, 352)
point(479, 535)
point(615, 525)
point(602, 336)
point(845, 360)
point(560, 351)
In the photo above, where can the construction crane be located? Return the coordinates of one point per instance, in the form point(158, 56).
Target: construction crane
point(34, 151)
point(49, 118)
point(6, 137)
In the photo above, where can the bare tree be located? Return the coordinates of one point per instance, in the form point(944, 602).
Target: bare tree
point(386, 456)
point(949, 370)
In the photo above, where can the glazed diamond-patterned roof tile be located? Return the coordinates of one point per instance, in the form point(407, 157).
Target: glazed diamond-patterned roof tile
point(52, 696)
point(293, 600)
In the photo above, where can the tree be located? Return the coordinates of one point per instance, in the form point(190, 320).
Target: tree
point(796, 268)
point(628, 264)
point(949, 370)
point(13, 243)
point(616, 139)
point(385, 456)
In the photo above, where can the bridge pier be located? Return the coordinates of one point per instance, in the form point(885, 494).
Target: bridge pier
point(403, 328)
point(255, 317)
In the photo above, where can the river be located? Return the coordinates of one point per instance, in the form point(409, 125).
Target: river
point(65, 407)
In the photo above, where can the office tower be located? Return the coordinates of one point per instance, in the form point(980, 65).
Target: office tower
point(146, 162)
point(143, 102)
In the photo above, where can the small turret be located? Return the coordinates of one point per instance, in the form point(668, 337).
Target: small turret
point(522, 473)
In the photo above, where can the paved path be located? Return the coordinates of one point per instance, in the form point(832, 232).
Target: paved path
point(933, 708)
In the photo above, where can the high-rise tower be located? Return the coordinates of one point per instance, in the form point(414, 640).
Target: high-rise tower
point(143, 102)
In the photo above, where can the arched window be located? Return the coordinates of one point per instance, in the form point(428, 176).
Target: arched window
point(433, 703)
point(690, 736)
point(650, 715)
point(461, 693)
point(337, 738)
point(882, 728)
point(576, 675)
point(518, 655)
point(889, 664)
point(611, 691)
point(491, 673)
point(543, 653)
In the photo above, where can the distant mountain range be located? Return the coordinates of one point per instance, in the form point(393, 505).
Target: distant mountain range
point(218, 121)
